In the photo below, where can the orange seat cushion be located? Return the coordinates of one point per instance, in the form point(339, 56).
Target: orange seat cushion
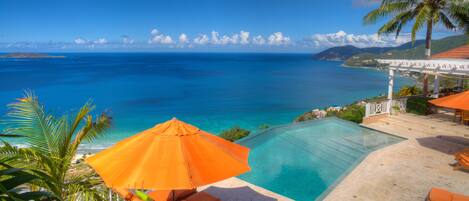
point(437, 194)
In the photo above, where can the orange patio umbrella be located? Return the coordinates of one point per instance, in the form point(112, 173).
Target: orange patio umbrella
point(458, 101)
point(170, 156)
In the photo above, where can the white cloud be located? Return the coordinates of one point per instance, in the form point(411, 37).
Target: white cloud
point(362, 40)
point(183, 38)
point(258, 40)
point(159, 38)
point(202, 39)
point(80, 41)
point(100, 41)
point(224, 40)
point(229, 40)
point(127, 40)
point(278, 39)
point(244, 37)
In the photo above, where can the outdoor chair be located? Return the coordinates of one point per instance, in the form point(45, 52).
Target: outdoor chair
point(457, 115)
point(168, 195)
point(465, 117)
point(462, 159)
point(201, 196)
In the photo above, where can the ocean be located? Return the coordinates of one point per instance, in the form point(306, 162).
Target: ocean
point(214, 91)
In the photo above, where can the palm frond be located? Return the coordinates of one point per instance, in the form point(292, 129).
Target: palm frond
point(27, 117)
point(385, 10)
point(420, 20)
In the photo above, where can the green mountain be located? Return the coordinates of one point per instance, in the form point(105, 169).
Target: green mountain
point(341, 53)
point(417, 52)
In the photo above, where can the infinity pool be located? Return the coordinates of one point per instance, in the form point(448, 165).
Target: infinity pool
point(304, 161)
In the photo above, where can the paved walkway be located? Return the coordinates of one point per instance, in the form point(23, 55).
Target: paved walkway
point(407, 170)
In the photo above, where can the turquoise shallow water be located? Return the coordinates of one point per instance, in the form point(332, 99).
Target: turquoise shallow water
point(213, 91)
point(304, 161)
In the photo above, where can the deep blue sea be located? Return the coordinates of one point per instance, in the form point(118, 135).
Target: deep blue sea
point(213, 91)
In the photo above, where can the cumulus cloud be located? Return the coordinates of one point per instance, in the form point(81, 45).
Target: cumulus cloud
point(258, 40)
point(244, 37)
point(215, 39)
point(159, 38)
point(361, 40)
point(80, 41)
point(127, 39)
point(183, 38)
point(100, 41)
point(202, 39)
point(229, 40)
point(278, 39)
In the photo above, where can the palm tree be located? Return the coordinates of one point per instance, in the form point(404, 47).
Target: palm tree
point(452, 14)
point(13, 182)
point(52, 144)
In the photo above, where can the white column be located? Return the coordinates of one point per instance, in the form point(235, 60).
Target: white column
point(390, 90)
point(461, 81)
point(436, 86)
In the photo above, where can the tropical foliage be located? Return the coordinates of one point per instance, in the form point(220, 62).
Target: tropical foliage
point(14, 182)
point(452, 14)
point(353, 112)
point(418, 105)
point(234, 133)
point(409, 91)
point(52, 142)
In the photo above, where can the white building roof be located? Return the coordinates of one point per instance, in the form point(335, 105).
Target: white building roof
point(435, 66)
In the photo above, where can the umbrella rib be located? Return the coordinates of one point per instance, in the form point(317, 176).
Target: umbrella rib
point(186, 164)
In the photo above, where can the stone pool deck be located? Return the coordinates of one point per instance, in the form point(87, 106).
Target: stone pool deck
point(407, 170)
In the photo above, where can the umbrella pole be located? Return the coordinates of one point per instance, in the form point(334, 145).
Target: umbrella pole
point(174, 195)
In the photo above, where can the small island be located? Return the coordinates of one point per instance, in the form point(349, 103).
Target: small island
point(30, 56)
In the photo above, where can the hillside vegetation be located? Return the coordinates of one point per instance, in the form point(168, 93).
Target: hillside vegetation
point(417, 52)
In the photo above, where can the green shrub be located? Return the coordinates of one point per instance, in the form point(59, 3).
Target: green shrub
point(305, 117)
point(409, 91)
point(234, 133)
point(353, 113)
point(418, 105)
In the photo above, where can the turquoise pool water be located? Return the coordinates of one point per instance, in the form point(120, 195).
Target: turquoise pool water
point(303, 161)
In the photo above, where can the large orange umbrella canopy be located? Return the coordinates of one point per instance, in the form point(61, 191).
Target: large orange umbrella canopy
point(172, 155)
point(457, 101)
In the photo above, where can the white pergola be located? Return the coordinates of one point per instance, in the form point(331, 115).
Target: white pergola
point(436, 67)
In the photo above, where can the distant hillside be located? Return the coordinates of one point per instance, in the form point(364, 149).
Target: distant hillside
point(29, 56)
point(417, 52)
point(344, 52)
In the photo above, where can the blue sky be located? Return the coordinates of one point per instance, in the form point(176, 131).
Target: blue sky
point(195, 25)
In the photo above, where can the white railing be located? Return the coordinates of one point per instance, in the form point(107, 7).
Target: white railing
point(376, 108)
point(381, 107)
